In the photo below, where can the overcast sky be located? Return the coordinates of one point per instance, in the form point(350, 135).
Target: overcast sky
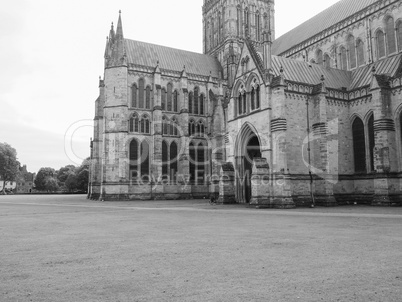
point(52, 56)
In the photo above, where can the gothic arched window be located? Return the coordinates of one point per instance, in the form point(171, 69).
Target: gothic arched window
point(165, 160)
point(169, 97)
point(380, 44)
point(360, 52)
point(320, 58)
point(145, 161)
point(190, 102)
point(192, 155)
point(134, 123)
point(134, 90)
point(141, 88)
point(133, 159)
point(191, 128)
point(258, 96)
point(359, 145)
point(200, 164)
point(240, 104)
point(352, 52)
point(202, 104)
point(196, 103)
point(390, 33)
point(175, 126)
point(252, 95)
point(344, 60)
point(371, 140)
point(175, 101)
point(173, 161)
point(165, 128)
point(327, 60)
point(145, 125)
point(399, 35)
point(148, 98)
point(163, 98)
point(258, 26)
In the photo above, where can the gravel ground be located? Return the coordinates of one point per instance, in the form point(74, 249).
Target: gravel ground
point(67, 248)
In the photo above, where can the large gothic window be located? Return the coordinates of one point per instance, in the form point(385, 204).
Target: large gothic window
point(390, 33)
point(327, 60)
point(141, 88)
point(399, 35)
point(148, 98)
point(258, 26)
point(196, 103)
point(173, 161)
point(359, 145)
point(202, 104)
point(190, 102)
point(360, 52)
point(257, 97)
point(320, 58)
point(145, 161)
point(352, 52)
point(169, 96)
point(252, 96)
point(344, 60)
point(371, 140)
point(165, 125)
point(175, 101)
point(134, 96)
point(198, 158)
point(163, 98)
point(165, 160)
point(380, 44)
point(133, 159)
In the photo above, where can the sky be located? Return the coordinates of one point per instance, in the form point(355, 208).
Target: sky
point(52, 56)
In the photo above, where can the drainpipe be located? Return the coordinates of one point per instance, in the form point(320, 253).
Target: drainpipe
point(309, 156)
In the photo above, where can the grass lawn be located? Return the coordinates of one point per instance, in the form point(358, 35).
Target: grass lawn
point(67, 248)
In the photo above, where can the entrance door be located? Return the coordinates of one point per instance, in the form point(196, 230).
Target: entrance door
point(252, 151)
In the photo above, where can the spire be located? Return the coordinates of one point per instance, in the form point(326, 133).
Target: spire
point(112, 34)
point(119, 30)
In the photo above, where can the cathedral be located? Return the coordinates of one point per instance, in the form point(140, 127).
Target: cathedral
point(313, 117)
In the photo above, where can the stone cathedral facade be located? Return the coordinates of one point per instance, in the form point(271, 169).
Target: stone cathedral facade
point(312, 116)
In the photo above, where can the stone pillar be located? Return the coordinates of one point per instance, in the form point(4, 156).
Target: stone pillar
point(323, 189)
point(385, 155)
point(226, 184)
point(281, 187)
point(260, 183)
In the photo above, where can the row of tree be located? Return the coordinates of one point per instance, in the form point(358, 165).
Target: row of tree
point(68, 179)
point(9, 165)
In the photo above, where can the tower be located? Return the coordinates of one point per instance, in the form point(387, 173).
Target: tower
point(226, 24)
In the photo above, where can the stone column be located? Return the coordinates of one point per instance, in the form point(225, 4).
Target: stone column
point(226, 184)
point(385, 155)
point(260, 183)
point(281, 187)
point(324, 187)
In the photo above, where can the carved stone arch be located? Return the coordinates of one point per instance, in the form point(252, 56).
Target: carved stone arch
point(251, 78)
point(238, 84)
point(353, 117)
point(367, 116)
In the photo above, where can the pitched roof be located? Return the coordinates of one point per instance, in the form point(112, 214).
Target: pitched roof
point(303, 72)
point(147, 54)
point(389, 66)
point(329, 17)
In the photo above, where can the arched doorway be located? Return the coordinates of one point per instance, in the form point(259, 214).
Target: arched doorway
point(247, 148)
point(252, 151)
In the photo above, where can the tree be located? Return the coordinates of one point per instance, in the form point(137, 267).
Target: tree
point(9, 165)
point(42, 177)
point(51, 184)
point(64, 172)
point(71, 182)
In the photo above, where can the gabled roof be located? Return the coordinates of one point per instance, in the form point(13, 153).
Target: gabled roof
point(147, 54)
point(303, 72)
point(362, 76)
point(329, 17)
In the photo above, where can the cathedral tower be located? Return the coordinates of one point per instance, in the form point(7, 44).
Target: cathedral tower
point(227, 23)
